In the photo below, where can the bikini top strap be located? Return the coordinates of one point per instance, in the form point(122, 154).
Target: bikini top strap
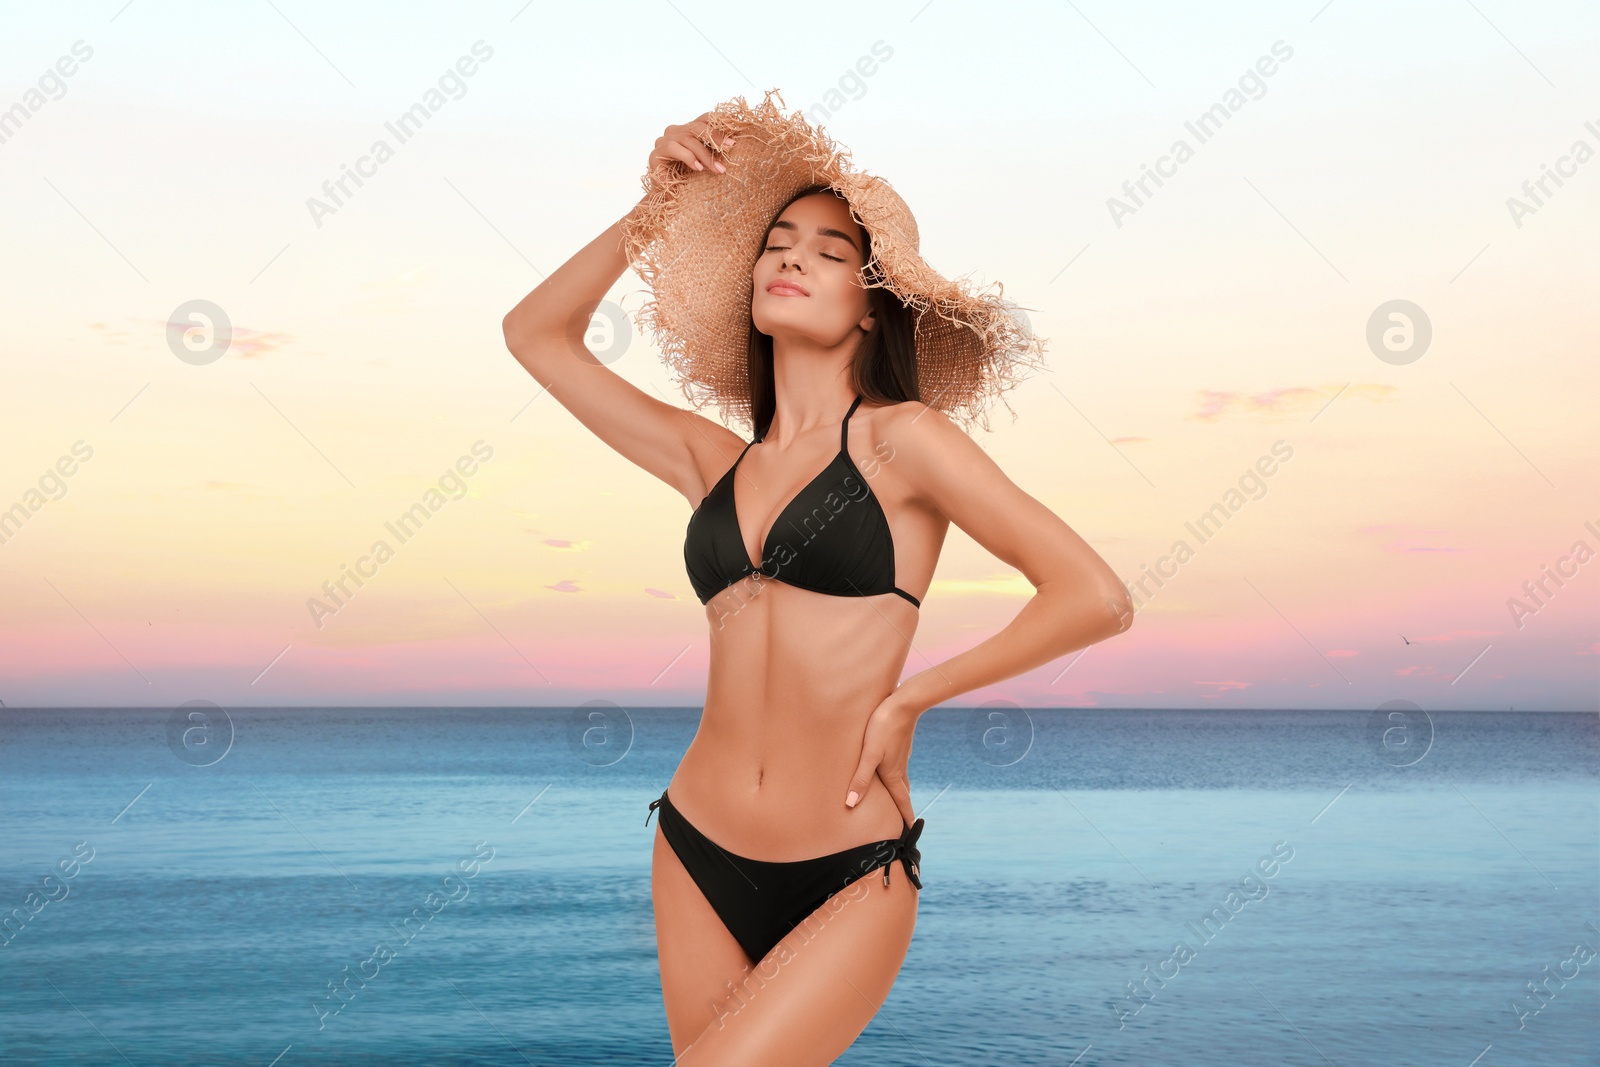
point(844, 427)
point(741, 454)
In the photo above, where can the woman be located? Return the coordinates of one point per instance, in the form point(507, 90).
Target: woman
point(811, 548)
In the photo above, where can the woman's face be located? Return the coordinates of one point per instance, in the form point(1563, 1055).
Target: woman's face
point(805, 278)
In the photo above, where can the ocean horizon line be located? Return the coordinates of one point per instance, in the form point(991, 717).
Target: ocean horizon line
point(687, 707)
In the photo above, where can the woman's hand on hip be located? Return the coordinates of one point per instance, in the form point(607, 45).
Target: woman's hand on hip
point(885, 752)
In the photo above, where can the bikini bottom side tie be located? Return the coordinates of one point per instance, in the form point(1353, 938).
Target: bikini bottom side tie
point(761, 901)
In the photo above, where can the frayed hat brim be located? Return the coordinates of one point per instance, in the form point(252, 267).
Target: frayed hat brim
point(695, 236)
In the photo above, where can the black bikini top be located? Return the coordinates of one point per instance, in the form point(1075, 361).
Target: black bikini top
point(831, 538)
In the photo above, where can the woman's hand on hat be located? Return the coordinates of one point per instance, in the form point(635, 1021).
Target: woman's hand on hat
point(683, 144)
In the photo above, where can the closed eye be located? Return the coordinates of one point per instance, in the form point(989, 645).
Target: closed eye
point(824, 255)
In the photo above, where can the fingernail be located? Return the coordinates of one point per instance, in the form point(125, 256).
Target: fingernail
point(718, 166)
point(697, 165)
point(727, 140)
point(850, 801)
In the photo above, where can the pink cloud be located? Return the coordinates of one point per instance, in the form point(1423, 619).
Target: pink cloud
point(565, 585)
point(1280, 403)
point(250, 344)
point(1453, 635)
point(1411, 540)
point(253, 343)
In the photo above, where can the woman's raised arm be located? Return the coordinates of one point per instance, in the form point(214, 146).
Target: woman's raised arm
point(546, 331)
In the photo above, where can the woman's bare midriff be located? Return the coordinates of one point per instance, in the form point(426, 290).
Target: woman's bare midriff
point(794, 676)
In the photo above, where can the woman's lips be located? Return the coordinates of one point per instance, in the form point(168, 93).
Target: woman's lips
point(786, 289)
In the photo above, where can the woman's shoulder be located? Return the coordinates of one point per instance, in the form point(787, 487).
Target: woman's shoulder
point(918, 433)
point(913, 421)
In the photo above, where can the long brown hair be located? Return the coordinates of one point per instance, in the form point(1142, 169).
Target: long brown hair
point(884, 370)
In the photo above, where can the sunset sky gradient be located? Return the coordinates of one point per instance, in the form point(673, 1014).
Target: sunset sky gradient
point(1409, 507)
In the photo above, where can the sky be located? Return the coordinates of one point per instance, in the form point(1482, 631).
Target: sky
point(1370, 271)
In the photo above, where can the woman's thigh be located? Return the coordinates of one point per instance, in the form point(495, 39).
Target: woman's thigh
point(699, 957)
point(813, 994)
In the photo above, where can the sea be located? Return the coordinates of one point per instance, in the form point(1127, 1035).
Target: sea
point(353, 886)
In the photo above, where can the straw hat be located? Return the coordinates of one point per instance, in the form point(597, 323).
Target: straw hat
point(695, 236)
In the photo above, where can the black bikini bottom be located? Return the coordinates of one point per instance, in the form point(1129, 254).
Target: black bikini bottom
point(760, 901)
